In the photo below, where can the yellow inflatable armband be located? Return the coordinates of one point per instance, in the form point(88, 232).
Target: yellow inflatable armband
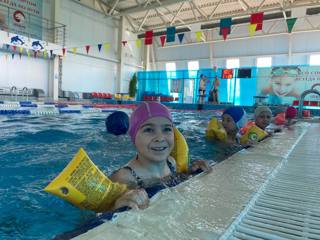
point(180, 152)
point(254, 134)
point(84, 185)
point(215, 130)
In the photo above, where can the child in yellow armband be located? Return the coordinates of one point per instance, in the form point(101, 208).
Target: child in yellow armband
point(153, 134)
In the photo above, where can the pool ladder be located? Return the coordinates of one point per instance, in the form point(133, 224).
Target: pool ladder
point(304, 94)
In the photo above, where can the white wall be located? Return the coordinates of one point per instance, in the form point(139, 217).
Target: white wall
point(246, 49)
point(25, 72)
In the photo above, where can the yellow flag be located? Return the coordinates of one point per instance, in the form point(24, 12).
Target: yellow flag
point(198, 36)
point(252, 29)
point(45, 54)
point(106, 47)
point(21, 50)
point(74, 50)
point(6, 56)
point(28, 52)
point(138, 43)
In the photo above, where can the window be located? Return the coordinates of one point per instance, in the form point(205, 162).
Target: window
point(264, 62)
point(314, 60)
point(171, 70)
point(233, 63)
point(193, 68)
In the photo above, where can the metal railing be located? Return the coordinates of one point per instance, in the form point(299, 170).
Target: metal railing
point(304, 94)
point(14, 91)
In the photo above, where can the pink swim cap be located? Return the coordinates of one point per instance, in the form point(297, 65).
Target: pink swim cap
point(291, 112)
point(145, 111)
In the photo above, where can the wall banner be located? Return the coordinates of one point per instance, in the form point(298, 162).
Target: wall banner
point(284, 84)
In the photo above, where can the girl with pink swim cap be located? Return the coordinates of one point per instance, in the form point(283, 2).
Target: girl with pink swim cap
point(152, 132)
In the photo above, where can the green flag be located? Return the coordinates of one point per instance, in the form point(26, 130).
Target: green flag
point(290, 23)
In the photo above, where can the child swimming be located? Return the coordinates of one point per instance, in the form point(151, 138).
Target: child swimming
point(263, 116)
point(152, 132)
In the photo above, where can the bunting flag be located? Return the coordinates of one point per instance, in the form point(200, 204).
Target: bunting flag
point(99, 47)
point(163, 40)
point(7, 46)
point(148, 37)
point(63, 52)
point(87, 49)
point(51, 53)
point(6, 56)
point(20, 55)
point(20, 50)
point(28, 53)
point(74, 50)
point(138, 43)
point(171, 34)
point(181, 36)
point(124, 43)
point(106, 47)
point(252, 29)
point(225, 23)
point(224, 32)
point(14, 48)
point(12, 55)
point(45, 54)
point(257, 18)
point(35, 53)
point(198, 36)
point(290, 23)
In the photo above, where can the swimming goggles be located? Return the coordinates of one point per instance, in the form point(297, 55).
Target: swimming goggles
point(291, 72)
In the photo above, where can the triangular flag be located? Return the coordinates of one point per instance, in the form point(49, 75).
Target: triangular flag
point(99, 47)
point(63, 51)
point(198, 36)
point(12, 55)
point(74, 50)
point(14, 48)
point(6, 56)
point(35, 53)
point(7, 45)
point(20, 55)
point(51, 53)
point(290, 23)
point(21, 50)
point(148, 37)
point(171, 34)
point(252, 29)
point(106, 47)
point(180, 36)
point(138, 43)
point(225, 31)
point(45, 54)
point(28, 53)
point(163, 40)
point(124, 43)
point(87, 49)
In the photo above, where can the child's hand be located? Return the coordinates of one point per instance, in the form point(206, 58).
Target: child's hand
point(200, 165)
point(135, 199)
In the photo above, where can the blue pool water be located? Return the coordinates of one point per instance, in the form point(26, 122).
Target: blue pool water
point(33, 150)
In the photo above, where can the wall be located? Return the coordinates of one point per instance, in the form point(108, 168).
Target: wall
point(247, 49)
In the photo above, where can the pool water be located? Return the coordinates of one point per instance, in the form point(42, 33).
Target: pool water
point(33, 150)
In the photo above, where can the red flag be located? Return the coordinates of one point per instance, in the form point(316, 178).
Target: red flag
point(148, 37)
point(35, 53)
point(87, 49)
point(225, 32)
point(63, 51)
point(124, 43)
point(163, 40)
point(257, 18)
point(14, 48)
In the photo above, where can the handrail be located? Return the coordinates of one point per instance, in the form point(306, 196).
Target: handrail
point(303, 95)
point(25, 90)
point(314, 85)
point(12, 90)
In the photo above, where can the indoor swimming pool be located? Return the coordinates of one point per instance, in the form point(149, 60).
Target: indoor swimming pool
point(34, 149)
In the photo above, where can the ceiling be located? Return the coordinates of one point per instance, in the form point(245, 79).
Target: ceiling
point(160, 14)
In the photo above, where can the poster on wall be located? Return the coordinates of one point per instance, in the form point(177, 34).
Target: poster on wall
point(22, 17)
point(284, 84)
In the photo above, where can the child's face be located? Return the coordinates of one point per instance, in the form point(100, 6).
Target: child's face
point(282, 85)
point(228, 123)
point(155, 139)
point(263, 120)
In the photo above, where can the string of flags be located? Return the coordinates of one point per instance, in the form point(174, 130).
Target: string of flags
point(256, 24)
